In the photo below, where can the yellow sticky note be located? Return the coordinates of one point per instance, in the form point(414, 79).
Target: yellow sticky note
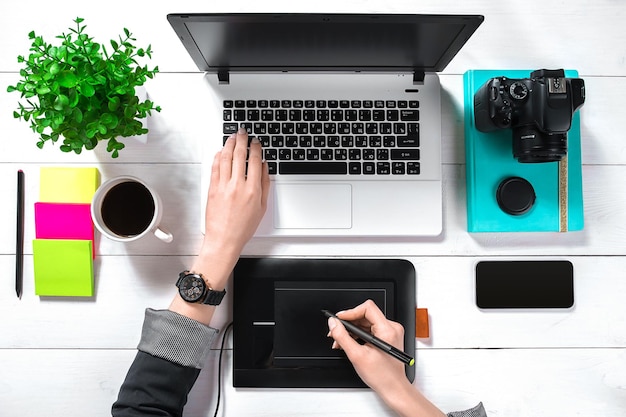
point(67, 185)
point(63, 267)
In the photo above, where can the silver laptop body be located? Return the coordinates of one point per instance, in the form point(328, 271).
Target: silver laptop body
point(338, 168)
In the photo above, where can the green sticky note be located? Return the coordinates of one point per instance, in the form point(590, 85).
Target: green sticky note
point(67, 185)
point(63, 267)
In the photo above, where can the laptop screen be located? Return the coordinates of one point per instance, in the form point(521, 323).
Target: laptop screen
point(346, 42)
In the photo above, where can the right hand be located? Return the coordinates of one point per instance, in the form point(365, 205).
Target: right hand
point(379, 370)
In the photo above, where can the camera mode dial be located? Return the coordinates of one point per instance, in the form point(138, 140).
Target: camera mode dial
point(518, 90)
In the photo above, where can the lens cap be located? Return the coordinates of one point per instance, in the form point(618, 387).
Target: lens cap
point(515, 196)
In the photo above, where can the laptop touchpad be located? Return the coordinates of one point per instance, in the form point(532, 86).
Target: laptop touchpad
point(312, 206)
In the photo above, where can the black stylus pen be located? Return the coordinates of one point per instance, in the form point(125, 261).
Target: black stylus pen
point(370, 338)
point(19, 235)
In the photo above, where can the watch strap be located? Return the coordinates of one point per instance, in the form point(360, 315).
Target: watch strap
point(213, 297)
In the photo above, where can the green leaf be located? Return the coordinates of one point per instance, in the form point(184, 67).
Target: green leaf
point(44, 89)
point(55, 68)
point(61, 102)
point(86, 89)
point(115, 45)
point(67, 79)
point(114, 103)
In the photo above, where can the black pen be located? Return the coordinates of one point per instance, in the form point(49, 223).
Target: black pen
point(19, 235)
point(370, 338)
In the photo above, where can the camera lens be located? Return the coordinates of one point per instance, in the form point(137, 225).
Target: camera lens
point(531, 145)
point(518, 91)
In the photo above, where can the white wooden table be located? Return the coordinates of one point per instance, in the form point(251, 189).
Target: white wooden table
point(68, 357)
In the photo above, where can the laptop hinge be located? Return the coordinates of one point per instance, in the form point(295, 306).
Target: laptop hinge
point(223, 77)
point(418, 77)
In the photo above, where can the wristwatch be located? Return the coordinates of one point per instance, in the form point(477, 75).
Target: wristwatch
point(193, 289)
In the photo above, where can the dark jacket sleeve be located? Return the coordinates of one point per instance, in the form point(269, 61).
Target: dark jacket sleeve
point(172, 350)
point(154, 387)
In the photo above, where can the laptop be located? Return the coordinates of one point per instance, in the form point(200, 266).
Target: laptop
point(347, 107)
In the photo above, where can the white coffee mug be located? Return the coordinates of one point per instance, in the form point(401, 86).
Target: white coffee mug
point(125, 209)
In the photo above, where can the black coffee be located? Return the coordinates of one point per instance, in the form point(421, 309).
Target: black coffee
point(127, 209)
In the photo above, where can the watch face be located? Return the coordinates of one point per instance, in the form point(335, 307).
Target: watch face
point(191, 288)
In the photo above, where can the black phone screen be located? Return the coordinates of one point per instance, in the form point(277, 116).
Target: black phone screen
point(524, 284)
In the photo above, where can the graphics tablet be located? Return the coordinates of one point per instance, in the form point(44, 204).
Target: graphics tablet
point(279, 331)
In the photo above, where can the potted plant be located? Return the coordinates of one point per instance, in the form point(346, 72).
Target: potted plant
point(83, 93)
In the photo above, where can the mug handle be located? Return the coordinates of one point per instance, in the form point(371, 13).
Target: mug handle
point(163, 234)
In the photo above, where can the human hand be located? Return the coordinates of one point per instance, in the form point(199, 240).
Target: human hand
point(236, 204)
point(376, 368)
point(237, 200)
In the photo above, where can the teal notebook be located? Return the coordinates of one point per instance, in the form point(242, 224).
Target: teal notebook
point(489, 157)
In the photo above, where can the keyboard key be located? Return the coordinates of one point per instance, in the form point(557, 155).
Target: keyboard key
point(399, 129)
point(344, 104)
point(281, 115)
point(250, 103)
point(273, 128)
point(228, 104)
point(403, 104)
point(291, 141)
point(383, 168)
point(319, 141)
point(308, 115)
point(239, 115)
point(408, 142)
point(369, 168)
point(240, 104)
point(341, 154)
point(230, 128)
point(320, 103)
point(390, 103)
point(285, 104)
point(312, 154)
point(318, 167)
point(302, 128)
point(295, 115)
point(414, 104)
point(326, 154)
point(354, 168)
point(298, 104)
point(260, 128)
point(405, 154)
point(272, 168)
point(254, 115)
point(398, 168)
point(263, 103)
point(267, 115)
point(284, 154)
point(354, 154)
point(270, 154)
point(393, 115)
point(299, 154)
point(333, 104)
point(274, 104)
point(309, 104)
point(409, 115)
point(413, 168)
point(228, 115)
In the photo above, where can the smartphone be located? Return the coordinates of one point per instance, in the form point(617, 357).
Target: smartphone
point(524, 284)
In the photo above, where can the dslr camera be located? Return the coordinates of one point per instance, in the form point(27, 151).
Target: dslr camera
point(539, 110)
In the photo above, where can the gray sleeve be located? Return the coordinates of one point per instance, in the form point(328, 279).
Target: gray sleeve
point(478, 411)
point(176, 338)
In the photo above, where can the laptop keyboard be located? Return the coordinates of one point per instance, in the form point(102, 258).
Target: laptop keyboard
point(334, 137)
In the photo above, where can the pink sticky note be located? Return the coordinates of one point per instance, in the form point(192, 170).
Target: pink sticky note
point(64, 221)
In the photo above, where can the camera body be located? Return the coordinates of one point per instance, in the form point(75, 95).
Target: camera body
point(538, 109)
